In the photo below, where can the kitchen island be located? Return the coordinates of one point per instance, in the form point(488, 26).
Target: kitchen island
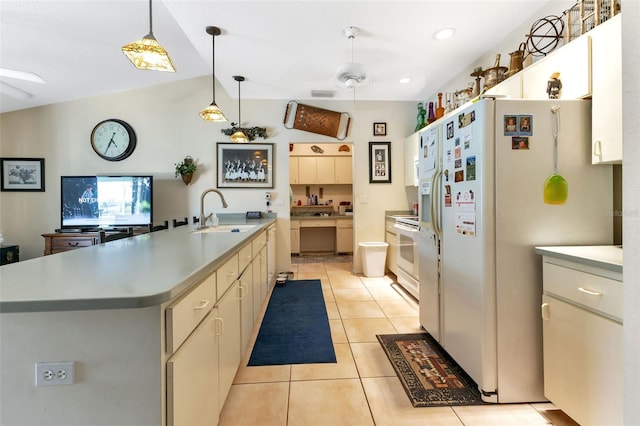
point(139, 318)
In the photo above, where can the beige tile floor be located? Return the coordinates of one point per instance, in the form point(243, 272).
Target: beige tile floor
point(362, 387)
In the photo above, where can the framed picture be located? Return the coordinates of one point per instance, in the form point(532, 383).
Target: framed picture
point(379, 129)
point(379, 162)
point(247, 165)
point(22, 174)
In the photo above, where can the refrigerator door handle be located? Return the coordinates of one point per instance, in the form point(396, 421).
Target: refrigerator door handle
point(435, 201)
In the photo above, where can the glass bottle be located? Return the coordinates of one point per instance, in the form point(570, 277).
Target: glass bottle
point(420, 120)
point(432, 114)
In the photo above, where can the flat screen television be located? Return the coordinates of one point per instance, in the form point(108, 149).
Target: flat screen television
point(89, 202)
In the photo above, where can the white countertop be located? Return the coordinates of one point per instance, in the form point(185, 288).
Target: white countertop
point(606, 257)
point(144, 270)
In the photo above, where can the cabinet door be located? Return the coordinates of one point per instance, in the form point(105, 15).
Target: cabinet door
point(227, 274)
point(344, 237)
point(258, 277)
point(192, 382)
point(293, 170)
point(295, 240)
point(583, 363)
point(246, 306)
point(229, 351)
point(572, 61)
point(271, 255)
point(326, 170)
point(410, 157)
point(606, 117)
point(344, 170)
point(307, 170)
point(392, 257)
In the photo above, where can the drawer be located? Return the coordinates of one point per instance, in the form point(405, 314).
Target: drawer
point(227, 274)
point(259, 242)
point(389, 226)
point(71, 243)
point(344, 224)
point(320, 223)
point(244, 257)
point(295, 224)
point(600, 294)
point(185, 314)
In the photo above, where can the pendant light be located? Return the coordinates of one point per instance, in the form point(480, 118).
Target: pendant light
point(239, 136)
point(147, 53)
point(213, 112)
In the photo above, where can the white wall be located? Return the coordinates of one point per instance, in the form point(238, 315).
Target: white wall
point(168, 128)
point(631, 208)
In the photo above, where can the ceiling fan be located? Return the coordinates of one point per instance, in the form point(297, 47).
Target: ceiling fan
point(351, 74)
point(13, 91)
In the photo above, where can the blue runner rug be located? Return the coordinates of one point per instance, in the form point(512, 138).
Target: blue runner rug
point(295, 328)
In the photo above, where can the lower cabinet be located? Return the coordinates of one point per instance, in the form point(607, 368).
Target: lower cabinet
point(229, 332)
point(295, 236)
point(192, 385)
point(344, 236)
point(247, 314)
point(582, 343)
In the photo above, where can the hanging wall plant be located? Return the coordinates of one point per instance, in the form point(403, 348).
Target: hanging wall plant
point(251, 132)
point(186, 168)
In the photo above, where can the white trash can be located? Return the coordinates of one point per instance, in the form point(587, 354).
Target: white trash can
point(374, 257)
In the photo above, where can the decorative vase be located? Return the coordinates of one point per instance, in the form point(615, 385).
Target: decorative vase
point(186, 178)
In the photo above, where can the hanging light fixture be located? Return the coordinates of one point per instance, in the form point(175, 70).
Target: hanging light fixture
point(147, 53)
point(213, 112)
point(239, 136)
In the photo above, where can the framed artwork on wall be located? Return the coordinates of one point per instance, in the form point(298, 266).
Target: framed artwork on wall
point(379, 129)
point(247, 165)
point(379, 162)
point(22, 174)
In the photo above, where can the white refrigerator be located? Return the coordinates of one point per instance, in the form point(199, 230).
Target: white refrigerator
point(484, 214)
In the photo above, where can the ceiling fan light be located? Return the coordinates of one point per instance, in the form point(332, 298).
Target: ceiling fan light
point(148, 54)
point(351, 82)
point(212, 113)
point(239, 137)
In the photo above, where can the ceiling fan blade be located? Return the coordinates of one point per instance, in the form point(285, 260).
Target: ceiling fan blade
point(21, 75)
point(13, 91)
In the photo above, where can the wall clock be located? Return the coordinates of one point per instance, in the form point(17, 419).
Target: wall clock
point(113, 139)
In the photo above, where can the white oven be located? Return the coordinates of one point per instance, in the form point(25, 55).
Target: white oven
point(407, 234)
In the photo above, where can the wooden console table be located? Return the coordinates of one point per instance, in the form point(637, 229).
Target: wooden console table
point(58, 242)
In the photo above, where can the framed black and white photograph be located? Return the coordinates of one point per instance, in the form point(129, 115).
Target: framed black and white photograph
point(379, 129)
point(248, 165)
point(379, 162)
point(22, 174)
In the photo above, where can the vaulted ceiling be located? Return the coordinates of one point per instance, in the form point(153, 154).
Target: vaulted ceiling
point(285, 49)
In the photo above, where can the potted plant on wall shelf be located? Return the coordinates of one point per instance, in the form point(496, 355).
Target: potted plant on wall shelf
point(185, 169)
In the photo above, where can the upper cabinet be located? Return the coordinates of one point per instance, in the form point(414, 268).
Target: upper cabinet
point(411, 144)
point(606, 114)
point(320, 170)
point(572, 61)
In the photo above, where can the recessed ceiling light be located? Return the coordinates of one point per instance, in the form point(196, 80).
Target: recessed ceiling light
point(405, 80)
point(444, 33)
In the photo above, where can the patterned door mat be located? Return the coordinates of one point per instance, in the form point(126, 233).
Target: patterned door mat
point(428, 374)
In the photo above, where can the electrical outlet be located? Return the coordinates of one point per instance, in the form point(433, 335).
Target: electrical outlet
point(55, 373)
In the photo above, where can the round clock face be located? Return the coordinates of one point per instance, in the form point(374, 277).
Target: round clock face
point(113, 139)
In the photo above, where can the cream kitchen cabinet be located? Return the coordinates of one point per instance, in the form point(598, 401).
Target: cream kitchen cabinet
point(582, 337)
point(411, 146)
point(343, 170)
point(390, 238)
point(293, 171)
point(260, 281)
point(316, 170)
point(192, 377)
point(271, 256)
point(606, 116)
point(572, 61)
point(344, 236)
point(247, 315)
point(295, 236)
point(229, 344)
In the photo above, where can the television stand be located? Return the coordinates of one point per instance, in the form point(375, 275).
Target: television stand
point(65, 239)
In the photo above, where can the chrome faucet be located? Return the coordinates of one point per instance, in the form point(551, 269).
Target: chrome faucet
point(203, 218)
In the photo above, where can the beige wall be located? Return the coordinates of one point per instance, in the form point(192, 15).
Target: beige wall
point(168, 128)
